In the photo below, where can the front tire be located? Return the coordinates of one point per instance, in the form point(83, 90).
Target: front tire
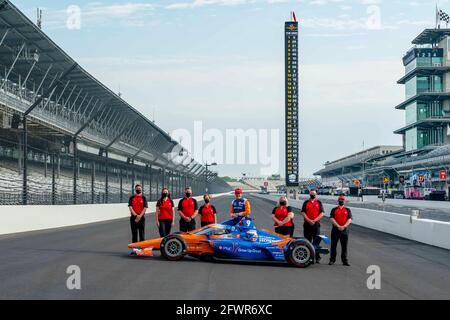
point(173, 248)
point(300, 254)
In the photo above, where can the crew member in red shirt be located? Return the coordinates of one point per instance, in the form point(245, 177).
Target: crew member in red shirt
point(165, 212)
point(208, 212)
point(313, 213)
point(283, 216)
point(188, 210)
point(138, 207)
point(341, 218)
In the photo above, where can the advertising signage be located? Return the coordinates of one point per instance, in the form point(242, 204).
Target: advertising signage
point(292, 130)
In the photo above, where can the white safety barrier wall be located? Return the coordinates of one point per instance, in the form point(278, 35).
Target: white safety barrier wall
point(14, 219)
point(432, 232)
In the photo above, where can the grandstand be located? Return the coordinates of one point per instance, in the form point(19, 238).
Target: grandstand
point(65, 138)
point(274, 184)
point(242, 185)
point(258, 183)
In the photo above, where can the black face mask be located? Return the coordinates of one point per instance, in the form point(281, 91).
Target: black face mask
point(207, 201)
point(313, 197)
point(283, 203)
point(188, 194)
point(165, 194)
point(138, 191)
point(341, 203)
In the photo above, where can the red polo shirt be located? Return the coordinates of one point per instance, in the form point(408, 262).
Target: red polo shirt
point(138, 203)
point(281, 213)
point(208, 212)
point(341, 215)
point(312, 208)
point(188, 206)
point(165, 209)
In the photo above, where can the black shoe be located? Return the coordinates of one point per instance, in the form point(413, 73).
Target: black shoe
point(346, 264)
point(331, 263)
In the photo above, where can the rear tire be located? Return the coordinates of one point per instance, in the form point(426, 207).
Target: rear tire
point(173, 248)
point(300, 254)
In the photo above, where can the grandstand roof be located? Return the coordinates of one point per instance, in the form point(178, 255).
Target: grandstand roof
point(46, 62)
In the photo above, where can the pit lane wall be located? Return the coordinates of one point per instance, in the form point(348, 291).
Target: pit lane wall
point(431, 232)
point(15, 219)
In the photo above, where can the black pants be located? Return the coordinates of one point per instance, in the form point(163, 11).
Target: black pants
point(204, 224)
point(165, 226)
point(311, 233)
point(337, 236)
point(285, 231)
point(137, 228)
point(187, 226)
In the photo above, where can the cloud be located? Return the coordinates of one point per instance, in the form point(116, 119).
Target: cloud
point(202, 3)
point(132, 14)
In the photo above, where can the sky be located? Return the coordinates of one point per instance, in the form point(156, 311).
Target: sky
point(219, 65)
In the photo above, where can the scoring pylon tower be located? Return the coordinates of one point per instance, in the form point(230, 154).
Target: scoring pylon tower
point(292, 105)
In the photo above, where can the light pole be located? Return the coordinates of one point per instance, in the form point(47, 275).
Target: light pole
point(206, 174)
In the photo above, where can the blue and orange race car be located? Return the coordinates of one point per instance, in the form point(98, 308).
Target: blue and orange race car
point(236, 239)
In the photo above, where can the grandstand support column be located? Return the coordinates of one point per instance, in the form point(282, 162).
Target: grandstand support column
point(106, 176)
point(93, 183)
point(143, 176)
point(121, 184)
point(167, 179)
point(180, 184)
point(25, 163)
point(163, 176)
point(75, 171)
point(176, 175)
point(180, 179)
point(45, 164)
point(53, 179)
point(157, 180)
point(175, 181)
point(150, 183)
point(146, 175)
point(177, 188)
point(133, 176)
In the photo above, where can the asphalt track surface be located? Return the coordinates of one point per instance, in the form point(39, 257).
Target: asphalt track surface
point(33, 266)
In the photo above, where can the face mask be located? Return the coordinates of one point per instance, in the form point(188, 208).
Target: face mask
point(341, 203)
point(138, 191)
point(312, 196)
point(207, 201)
point(165, 194)
point(188, 194)
point(283, 203)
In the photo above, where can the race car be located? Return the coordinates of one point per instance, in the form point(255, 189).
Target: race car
point(236, 239)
